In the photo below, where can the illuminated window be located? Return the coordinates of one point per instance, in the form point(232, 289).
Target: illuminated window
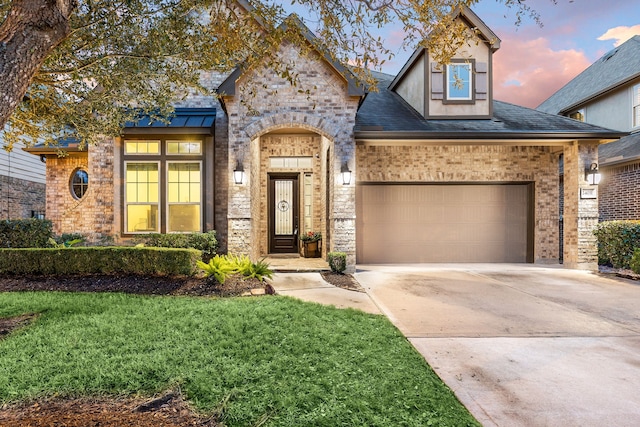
point(141, 197)
point(184, 147)
point(79, 183)
point(577, 115)
point(142, 147)
point(183, 197)
point(459, 82)
point(163, 195)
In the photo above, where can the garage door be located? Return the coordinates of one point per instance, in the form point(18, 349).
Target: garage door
point(442, 223)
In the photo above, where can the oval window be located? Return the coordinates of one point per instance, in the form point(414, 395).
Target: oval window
point(79, 183)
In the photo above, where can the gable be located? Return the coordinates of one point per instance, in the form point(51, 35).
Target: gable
point(458, 89)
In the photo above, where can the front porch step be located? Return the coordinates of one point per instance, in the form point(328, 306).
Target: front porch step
point(292, 263)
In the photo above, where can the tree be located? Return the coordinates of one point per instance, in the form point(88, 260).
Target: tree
point(85, 67)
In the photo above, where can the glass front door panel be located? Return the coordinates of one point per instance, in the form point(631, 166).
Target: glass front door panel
point(284, 207)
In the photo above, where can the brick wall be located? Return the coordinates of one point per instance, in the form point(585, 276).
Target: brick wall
point(19, 198)
point(475, 164)
point(93, 215)
point(619, 197)
point(266, 102)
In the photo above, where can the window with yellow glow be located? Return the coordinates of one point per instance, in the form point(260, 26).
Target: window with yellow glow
point(184, 147)
point(141, 147)
point(184, 190)
point(141, 197)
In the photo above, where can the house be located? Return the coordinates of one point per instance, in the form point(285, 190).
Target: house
point(22, 184)
point(430, 168)
point(607, 94)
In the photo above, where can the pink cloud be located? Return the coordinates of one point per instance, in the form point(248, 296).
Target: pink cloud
point(620, 34)
point(526, 72)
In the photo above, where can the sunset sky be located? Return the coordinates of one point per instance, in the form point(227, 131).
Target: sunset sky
point(534, 62)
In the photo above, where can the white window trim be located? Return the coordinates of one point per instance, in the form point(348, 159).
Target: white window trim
point(635, 96)
point(126, 203)
point(166, 185)
point(448, 73)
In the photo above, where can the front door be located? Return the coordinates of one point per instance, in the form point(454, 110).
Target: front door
point(283, 213)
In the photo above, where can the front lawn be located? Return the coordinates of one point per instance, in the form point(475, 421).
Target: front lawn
point(274, 358)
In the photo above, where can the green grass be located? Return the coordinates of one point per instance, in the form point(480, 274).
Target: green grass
point(296, 363)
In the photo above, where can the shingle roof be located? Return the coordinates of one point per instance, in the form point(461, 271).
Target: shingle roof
point(384, 114)
point(613, 69)
point(624, 150)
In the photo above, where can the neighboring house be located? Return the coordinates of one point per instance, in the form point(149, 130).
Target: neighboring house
point(434, 169)
point(608, 94)
point(22, 184)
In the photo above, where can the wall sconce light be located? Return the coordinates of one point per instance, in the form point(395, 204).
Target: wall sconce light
point(346, 174)
point(592, 175)
point(238, 173)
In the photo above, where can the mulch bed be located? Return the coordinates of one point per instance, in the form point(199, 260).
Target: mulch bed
point(169, 410)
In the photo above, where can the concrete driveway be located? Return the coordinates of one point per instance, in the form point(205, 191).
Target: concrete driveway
point(521, 345)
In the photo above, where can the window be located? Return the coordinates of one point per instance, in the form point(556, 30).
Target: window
point(79, 183)
point(578, 115)
point(183, 197)
point(163, 185)
point(141, 196)
point(636, 106)
point(142, 147)
point(459, 82)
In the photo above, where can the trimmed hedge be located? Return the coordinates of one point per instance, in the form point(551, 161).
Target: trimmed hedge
point(25, 233)
point(100, 260)
point(205, 242)
point(617, 241)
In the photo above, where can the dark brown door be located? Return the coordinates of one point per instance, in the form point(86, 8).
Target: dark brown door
point(283, 213)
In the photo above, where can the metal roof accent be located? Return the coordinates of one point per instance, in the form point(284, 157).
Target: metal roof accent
point(181, 118)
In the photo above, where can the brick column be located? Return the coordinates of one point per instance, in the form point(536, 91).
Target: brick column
point(580, 212)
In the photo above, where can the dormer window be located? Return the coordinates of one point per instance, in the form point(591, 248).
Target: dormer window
point(578, 115)
point(459, 82)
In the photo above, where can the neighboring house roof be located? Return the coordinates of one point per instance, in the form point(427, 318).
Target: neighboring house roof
point(625, 150)
point(614, 69)
point(385, 115)
point(183, 120)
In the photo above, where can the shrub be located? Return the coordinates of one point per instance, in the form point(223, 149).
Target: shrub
point(222, 266)
point(99, 260)
point(260, 270)
point(635, 261)
point(25, 233)
point(205, 242)
point(337, 261)
point(617, 241)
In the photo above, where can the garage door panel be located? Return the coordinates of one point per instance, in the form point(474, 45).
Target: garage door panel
point(442, 223)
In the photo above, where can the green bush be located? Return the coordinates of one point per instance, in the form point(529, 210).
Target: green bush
point(337, 261)
point(205, 242)
point(617, 241)
point(100, 260)
point(635, 261)
point(25, 233)
point(222, 266)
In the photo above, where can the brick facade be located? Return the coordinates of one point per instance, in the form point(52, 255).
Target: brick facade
point(465, 163)
point(20, 198)
point(620, 192)
point(326, 110)
point(94, 214)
